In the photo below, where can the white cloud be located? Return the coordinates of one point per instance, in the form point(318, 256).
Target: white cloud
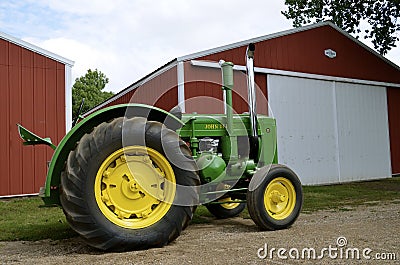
point(128, 39)
point(84, 55)
point(79, 7)
point(394, 55)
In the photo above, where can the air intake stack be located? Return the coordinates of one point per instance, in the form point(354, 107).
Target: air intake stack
point(252, 100)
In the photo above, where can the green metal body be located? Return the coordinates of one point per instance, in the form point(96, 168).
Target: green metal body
point(198, 126)
point(238, 168)
point(227, 170)
point(32, 139)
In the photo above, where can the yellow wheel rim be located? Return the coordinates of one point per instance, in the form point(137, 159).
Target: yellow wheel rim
point(230, 205)
point(135, 187)
point(280, 198)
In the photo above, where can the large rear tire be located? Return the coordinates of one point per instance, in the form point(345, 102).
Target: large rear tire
point(275, 197)
point(122, 194)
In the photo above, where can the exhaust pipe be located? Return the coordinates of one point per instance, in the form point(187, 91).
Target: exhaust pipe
point(252, 102)
point(251, 88)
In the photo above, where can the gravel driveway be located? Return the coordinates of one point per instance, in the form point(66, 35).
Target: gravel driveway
point(371, 230)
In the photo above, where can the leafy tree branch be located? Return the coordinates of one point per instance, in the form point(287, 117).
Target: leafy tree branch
point(90, 86)
point(382, 17)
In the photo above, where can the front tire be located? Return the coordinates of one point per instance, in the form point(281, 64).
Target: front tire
point(274, 197)
point(120, 194)
point(225, 210)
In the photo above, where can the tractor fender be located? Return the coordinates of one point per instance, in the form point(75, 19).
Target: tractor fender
point(50, 193)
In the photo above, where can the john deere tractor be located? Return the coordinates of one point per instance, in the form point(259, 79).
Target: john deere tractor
point(130, 176)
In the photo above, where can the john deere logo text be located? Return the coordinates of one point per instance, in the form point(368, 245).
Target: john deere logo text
point(214, 126)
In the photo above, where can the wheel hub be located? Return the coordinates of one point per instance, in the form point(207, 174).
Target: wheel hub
point(131, 190)
point(136, 187)
point(280, 198)
point(277, 197)
point(229, 203)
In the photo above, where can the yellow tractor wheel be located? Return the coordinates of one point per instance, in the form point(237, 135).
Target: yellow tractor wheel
point(274, 197)
point(226, 208)
point(124, 184)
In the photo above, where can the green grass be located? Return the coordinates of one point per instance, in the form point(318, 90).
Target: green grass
point(22, 219)
point(343, 196)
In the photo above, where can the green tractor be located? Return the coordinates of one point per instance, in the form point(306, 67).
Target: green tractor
point(130, 176)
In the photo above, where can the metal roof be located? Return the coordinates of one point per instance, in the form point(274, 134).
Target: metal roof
point(35, 49)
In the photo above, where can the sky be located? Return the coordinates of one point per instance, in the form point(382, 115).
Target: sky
point(128, 39)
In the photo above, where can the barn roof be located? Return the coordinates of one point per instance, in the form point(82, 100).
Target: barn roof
point(204, 53)
point(281, 34)
point(35, 49)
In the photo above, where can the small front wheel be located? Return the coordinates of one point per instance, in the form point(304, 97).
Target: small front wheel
point(226, 208)
point(275, 197)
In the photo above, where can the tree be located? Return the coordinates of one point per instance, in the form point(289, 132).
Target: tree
point(90, 87)
point(380, 15)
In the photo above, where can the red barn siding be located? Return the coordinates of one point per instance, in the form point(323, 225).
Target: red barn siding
point(27, 120)
point(15, 151)
point(304, 52)
point(40, 116)
point(33, 94)
point(203, 93)
point(262, 99)
point(160, 91)
point(168, 100)
point(4, 119)
point(60, 85)
point(393, 97)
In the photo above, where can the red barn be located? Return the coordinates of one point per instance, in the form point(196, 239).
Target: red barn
point(333, 97)
point(36, 91)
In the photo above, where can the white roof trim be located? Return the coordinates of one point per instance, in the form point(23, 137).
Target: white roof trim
point(36, 49)
point(18, 195)
point(297, 74)
point(68, 98)
point(280, 34)
point(180, 70)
